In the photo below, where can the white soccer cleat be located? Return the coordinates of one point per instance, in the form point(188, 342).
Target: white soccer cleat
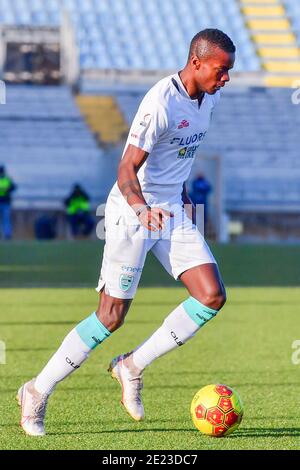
point(33, 409)
point(132, 386)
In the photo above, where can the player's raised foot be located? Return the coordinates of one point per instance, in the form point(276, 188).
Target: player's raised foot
point(131, 383)
point(33, 409)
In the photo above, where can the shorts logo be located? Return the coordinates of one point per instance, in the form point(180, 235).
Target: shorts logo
point(183, 124)
point(130, 269)
point(126, 281)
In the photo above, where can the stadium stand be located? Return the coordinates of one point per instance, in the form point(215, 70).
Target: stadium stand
point(269, 23)
point(137, 34)
point(46, 146)
point(104, 118)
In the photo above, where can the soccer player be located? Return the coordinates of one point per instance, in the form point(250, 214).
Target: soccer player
point(145, 212)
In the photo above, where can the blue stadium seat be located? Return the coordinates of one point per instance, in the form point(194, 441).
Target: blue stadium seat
point(293, 11)
point(129, 25)
point(47, 147)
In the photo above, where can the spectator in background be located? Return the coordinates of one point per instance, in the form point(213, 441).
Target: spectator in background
point(7, 186)
point(200, 191)
point(78, 212)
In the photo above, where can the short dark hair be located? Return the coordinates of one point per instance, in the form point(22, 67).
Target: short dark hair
point(204, 43)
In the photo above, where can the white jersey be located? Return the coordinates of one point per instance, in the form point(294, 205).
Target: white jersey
point(170, 126)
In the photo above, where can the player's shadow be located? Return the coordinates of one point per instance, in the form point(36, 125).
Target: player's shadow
point(240, 434)
point(265, 432)
point(117, 431)
point(135, 428)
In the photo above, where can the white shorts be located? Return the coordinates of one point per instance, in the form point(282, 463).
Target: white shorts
point(179, 247)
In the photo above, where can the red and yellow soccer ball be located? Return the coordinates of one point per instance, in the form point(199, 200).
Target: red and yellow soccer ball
point(217, 410)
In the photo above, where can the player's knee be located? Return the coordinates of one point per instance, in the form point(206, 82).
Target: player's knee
point(214, 298)
point(112, 320)
point(112, 312)
point(220, 300)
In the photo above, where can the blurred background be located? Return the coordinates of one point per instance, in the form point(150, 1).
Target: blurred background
point(75, 72)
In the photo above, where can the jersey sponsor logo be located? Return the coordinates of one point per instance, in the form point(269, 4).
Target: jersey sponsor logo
point(126, 281)
point(131, 269)
point(134, 136)
point(192, 139)
point(187, 152)
point(183, 124)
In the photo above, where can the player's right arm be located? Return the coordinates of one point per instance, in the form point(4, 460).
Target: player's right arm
point(134, 157)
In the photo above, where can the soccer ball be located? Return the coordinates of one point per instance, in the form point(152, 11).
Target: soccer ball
point(217, 410)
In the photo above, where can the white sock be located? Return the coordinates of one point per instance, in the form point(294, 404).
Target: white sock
point(177, 328)
point(70, 355)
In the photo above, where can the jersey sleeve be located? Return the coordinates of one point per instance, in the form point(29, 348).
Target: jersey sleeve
point(149, 124)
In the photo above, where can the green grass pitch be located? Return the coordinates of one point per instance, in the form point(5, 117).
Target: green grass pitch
point(248, 346)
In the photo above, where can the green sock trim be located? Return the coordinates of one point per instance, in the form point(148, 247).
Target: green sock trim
point(92, 331)
point(198, 312)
